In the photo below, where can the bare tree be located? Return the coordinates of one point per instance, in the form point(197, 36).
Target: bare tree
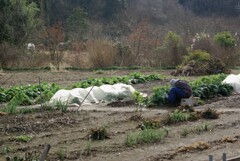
point(54, 36)
point(144, 40)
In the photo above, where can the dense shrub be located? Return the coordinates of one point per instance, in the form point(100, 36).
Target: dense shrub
point(172, 49)
point(227, 48)
point(198, 56)
point(199, 62)
point(225, 39)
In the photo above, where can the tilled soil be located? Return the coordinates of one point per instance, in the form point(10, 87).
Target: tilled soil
point(69, 133)
point(63, 78)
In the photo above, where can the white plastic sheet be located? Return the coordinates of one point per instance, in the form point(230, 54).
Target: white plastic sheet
point(106, 93)
point(233, 80)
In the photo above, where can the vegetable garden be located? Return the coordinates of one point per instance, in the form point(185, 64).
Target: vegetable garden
point(120, 133)
point(205, 87)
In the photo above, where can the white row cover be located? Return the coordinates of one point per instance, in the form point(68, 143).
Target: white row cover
point(105, 93)
point(233, 80)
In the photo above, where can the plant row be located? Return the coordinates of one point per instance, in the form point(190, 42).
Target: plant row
point(208, 87)
point(34, 94)
point(204, 87)
point(154, 129)
point(27, 95)
point(133, 78)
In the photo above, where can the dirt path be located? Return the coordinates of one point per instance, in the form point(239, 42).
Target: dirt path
point(69, 131)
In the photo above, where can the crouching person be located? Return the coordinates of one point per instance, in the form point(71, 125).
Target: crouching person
point(179, 89)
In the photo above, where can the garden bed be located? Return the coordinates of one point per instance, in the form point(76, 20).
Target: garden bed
point(66, 131)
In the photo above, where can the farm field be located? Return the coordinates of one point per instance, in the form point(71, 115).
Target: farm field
point(69, 133)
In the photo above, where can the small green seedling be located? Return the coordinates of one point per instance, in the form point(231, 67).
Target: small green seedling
point(23, 138)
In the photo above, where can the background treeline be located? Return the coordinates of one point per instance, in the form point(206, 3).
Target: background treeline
point(224, 8)
point(103, 33)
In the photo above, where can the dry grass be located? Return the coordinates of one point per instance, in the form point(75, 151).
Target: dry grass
point(193, 147)
point(76, 55)
point(13, 56)
point(36, 59)
point(210, 113)
point(101, 53)
point(99, 133)
point(9, 55)
point(2, 113)
point(153, 123)
point(228, 139)
point(77, 59)
point(124, 56)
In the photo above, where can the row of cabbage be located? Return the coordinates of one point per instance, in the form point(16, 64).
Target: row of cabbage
point(35, 94)
point(205, 87)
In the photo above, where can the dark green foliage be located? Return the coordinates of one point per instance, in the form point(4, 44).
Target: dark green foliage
point(33, 94)
point(26, 95)
point(104, 9)
point(17, 20)
point(204, 87)
point(2, 96)
point(21, 98)
point(4, 8)
point(207, 91)
point(12, 29)
point(112, 7)
point(77, 24)
point(212, 7)
point(160, 95)
point(207, 87)
point(225, 89)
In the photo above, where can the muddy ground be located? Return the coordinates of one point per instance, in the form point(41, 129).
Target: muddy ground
point(68, 133)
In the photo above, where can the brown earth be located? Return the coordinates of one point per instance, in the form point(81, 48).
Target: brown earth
point(68, 133)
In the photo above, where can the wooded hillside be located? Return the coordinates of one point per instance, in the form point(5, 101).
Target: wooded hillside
point(229, 8)
point(142, 29)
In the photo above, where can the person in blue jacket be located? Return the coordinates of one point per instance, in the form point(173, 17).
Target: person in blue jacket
point(179, 89)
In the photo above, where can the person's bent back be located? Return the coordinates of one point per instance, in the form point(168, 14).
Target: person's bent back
point(179, 89)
